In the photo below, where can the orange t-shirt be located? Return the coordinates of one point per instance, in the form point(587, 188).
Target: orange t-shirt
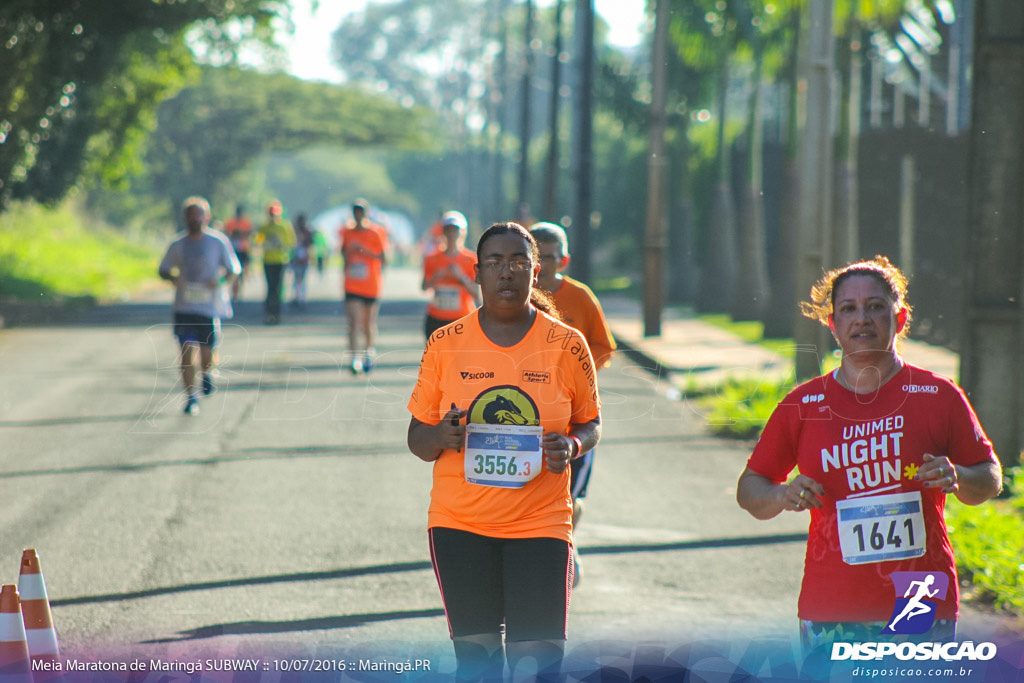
point(239, 231)
point(581, 309)
point(547, 379)
point(451, 300)
point(363, 274)
point(434, 240)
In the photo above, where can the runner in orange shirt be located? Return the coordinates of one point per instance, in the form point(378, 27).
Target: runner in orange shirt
point(449, 275)
point(506, 397)
point(238, 228)
point(580, 308)
point(364, 247)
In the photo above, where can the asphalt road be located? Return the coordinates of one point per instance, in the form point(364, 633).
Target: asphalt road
point(288, 517)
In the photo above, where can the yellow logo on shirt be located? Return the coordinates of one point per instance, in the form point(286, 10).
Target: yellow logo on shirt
point(504, 405)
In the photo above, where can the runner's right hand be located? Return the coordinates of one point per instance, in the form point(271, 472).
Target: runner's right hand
point(451, 431)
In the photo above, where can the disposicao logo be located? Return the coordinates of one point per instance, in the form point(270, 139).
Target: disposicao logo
point(917, 597)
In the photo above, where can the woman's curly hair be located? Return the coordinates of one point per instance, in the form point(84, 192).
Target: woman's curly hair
point(823, 293)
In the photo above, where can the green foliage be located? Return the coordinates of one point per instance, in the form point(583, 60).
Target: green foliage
point(137, 81)
point(752, 331)
point(987, 543)
point(320, 178)
point(741, 406)
point(213, 130)
point(72, 70)
point(428, 53)
point(52, 252)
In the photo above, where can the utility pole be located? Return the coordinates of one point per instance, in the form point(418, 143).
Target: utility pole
point(816, 184)
point(655, 232)
point(551, 176)
point(582, 139)
point(524, 116)
point(992, 356)
point(499, 113)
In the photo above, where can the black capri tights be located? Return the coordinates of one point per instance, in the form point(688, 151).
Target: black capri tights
point(524, 583)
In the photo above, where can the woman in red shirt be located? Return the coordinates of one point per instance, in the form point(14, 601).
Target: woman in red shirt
point(879, 443)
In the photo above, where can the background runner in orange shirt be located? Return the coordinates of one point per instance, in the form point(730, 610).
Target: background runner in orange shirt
point(449, 275)
point(505, 398)
point(364, 247)
point(579, 308)
point(238, 228)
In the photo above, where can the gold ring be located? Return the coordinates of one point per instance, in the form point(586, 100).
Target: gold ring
point(803, 492)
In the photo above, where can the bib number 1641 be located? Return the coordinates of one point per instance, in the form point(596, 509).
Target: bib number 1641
point(881, 528)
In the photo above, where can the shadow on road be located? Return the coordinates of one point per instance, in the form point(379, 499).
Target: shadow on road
point(319, 624)
point(694, 545)
point(400, 567)
point(139, 314)
point(249, 454)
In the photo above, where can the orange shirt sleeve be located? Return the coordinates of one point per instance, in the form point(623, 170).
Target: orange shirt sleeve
point(583, 311)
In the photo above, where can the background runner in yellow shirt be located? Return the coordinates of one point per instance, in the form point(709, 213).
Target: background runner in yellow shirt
point(276, 238)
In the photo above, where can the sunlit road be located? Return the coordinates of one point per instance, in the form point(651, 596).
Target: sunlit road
point(289, 515)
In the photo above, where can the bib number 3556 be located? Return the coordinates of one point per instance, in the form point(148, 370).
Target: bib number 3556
point(505, 456)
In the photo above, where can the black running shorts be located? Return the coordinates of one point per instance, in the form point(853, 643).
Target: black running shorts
point(197, 329)
point(524, 583)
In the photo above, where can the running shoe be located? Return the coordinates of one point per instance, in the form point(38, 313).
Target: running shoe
point(192, 406)
point(356, 366)
point(208, 387)
point(368, 364)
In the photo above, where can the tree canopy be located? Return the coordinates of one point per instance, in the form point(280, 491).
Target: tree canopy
point(80, 81)
point(215, 128)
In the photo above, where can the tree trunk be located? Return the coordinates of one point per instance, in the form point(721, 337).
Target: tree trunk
point(992, 361)
point(782, 301)
point(719, 273)
point(683, 275)
point(751, 294)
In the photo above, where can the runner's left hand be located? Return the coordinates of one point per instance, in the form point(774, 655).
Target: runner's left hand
point(557, 451)
point(938, 472)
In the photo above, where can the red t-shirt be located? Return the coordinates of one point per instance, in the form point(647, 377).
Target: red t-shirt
point(547, 379)
point(864, 449)
point(450, 300)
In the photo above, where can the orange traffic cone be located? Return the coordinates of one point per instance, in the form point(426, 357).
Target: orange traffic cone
point(15, 666)
point(35, 610)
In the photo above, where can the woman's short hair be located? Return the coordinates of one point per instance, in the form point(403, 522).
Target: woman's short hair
point(549, 233)
point(823, 293)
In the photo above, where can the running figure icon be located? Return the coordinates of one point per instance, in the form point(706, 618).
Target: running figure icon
point(916, 605)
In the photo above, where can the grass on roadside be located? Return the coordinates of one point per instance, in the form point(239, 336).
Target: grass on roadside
point(751, 331)
point(740, 407)
point(49, 254)
point(987, 542)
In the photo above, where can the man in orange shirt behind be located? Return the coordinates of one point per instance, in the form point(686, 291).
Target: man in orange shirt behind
point(449, 274)
point(364, 247)
point(238, 228)
point(580, 309)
